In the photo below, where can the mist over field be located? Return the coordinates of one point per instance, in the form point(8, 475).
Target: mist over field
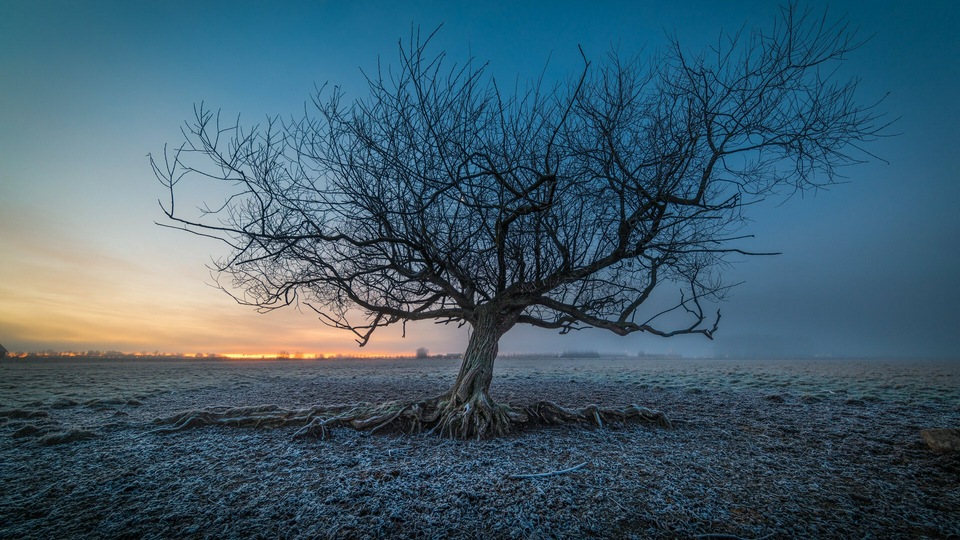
point(50, 380)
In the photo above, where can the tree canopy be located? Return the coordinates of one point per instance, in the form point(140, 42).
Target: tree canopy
point(440, 196)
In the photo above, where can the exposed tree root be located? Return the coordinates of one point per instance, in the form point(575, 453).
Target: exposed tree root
point(547, 412)
point(22, 413)
point(478, 418)
point(66, 437)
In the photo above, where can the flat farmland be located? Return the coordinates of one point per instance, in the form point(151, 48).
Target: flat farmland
point(823, 448)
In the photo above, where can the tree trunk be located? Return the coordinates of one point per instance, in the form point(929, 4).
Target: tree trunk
point(468, 410)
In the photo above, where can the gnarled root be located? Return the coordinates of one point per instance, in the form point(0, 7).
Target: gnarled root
point(547, 412)
point(479, 417)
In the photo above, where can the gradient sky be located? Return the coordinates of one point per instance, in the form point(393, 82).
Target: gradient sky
point(87, 89)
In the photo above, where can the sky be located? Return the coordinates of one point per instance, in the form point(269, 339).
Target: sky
point(88, 89)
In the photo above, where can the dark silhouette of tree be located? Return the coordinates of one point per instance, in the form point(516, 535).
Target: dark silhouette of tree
point(441, 197)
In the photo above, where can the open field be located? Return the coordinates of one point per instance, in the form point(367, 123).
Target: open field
point(774, 449)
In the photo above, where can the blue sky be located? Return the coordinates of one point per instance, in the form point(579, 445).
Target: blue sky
point(89, 88)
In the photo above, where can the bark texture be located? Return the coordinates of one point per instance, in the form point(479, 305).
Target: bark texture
point(468, 411)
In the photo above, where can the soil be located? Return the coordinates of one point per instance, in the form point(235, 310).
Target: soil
point(809, 452)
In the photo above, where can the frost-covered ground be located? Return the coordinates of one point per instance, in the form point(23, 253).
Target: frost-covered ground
point(776, 449)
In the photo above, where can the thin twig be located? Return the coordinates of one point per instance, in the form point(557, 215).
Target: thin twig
point(551, 473)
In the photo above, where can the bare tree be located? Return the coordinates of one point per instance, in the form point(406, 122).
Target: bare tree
point(441, 197)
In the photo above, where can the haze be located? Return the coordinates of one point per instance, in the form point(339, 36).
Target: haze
point(868, 268)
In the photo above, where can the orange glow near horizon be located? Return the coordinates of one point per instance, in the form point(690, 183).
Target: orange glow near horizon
point(229, 356)
point(255, 356)
point(61, 293)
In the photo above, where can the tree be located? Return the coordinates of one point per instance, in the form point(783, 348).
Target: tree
point(441, 197)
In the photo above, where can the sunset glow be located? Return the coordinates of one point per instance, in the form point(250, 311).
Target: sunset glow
point(88, 91)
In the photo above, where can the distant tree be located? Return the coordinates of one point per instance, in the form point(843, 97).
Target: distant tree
point(440, 197)
point(422, 352)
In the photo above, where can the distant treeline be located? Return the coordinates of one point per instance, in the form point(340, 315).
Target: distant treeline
point(116, 355)
point(420, 354)
point(111, 355)
point(597, 354)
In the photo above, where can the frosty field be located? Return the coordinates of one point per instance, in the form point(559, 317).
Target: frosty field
point(761, 448)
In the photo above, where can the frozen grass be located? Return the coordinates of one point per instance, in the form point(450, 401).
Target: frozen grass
point(783, 449)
